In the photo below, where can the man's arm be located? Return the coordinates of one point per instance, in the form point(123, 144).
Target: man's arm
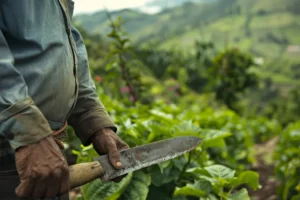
point(21, 122)
point(39, 161)
point(90, 119)
point(89, 114)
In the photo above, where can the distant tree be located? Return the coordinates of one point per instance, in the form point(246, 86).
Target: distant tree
point(287, 108)
point(296, 71)
point(230, 76)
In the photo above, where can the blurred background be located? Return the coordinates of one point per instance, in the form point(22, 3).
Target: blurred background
point(227, 71)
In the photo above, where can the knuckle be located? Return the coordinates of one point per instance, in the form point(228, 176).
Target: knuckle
point(124, 146)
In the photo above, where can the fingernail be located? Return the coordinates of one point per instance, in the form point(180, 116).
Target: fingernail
point(119, 165)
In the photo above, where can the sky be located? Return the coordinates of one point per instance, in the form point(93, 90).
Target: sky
point(85, 6)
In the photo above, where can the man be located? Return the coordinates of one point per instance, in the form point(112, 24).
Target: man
point(45, 83)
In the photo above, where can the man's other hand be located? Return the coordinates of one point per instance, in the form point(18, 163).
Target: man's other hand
point(105, 141)
point(42, 169)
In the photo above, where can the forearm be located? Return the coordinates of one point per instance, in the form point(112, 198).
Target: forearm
point(93, 118)
point(21, 122)
point(89, 114)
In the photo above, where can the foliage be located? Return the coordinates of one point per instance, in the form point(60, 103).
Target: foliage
point(154, 94)
point(143, 124)
point(119, 49)
point(288, 162)
point(287, 111)
point(262, 27)
point(232, 76)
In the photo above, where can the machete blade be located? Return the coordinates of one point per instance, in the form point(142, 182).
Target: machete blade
point(146, 155)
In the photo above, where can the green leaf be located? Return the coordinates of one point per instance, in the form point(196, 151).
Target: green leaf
point(163, 193)
point(159, 115)
point(164, 165)
point(220, 171)
point(110, 65)
point(79, 197)
point(240, 195)
point(296, 197)
point(198, 189)
point(212, 138)
point(138, 187)
point(248, 177)
point(186, 128)
point(105, 190)
point(197, 171)
point(158, 179)
point(210, 197)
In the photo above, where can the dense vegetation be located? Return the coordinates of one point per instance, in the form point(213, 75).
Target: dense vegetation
point(217, 94)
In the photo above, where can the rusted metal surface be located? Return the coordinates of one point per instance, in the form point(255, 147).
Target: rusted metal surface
point(146, 155)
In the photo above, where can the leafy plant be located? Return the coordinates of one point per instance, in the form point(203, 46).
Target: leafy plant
point(194, 174)
point(218, 182)
point(288, 162)
point(152, 94)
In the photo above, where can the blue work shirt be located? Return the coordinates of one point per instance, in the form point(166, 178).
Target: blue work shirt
point(44, 74)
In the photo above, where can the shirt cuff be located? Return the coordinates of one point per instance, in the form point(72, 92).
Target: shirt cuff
point(92, 120)
point(23, 124)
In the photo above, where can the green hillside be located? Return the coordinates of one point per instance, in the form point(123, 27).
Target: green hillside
point(267, 29)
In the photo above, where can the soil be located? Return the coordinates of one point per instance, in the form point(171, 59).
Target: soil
point(265, 167)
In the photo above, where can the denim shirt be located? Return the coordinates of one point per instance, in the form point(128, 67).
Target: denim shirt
point(44, 75)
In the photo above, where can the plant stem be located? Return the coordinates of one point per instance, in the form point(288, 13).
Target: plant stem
point(185, 166)
point(127, 78)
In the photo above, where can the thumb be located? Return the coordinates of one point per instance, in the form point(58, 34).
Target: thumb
point(114, 155)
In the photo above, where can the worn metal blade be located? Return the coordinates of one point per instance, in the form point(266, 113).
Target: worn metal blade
point(146, 155)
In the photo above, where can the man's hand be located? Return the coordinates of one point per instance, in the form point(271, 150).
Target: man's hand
point(42, 169)
point(105, 141)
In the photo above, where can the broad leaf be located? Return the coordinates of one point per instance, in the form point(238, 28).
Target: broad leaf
point(105, 190)
point(186, 128)
point(210, 197)
point(198, 189)
point(138, 187)
point(219, 171)
point(168, 175)
point(296, 197)
point(248, 177)
point(213, 138)
point(164, 165)
point(197, 171)
point(240, 195)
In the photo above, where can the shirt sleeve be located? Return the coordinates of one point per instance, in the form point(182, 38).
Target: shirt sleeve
point(89, 114)
point(21, 122)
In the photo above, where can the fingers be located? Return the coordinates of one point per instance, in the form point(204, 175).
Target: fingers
point(121, 147)
point(114, 146)
point(51, 186)
point(39, 190)
point(53, 190)
point(25, 188)
point(113, 154)
point(44, 173)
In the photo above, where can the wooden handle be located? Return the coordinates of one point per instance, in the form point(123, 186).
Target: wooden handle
point(83, 173)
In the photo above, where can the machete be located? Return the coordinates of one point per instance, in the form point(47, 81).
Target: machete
point(132, 159)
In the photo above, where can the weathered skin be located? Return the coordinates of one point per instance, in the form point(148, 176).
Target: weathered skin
point(39, 166)
point(105, 141)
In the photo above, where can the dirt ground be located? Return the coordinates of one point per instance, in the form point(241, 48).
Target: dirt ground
point(264, 166)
